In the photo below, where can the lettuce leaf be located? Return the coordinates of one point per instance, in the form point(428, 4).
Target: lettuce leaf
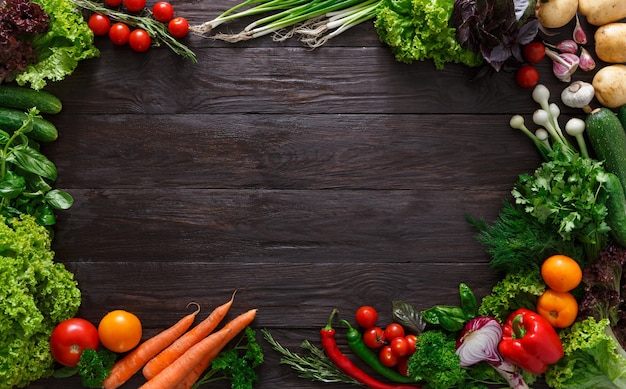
point(68, 41)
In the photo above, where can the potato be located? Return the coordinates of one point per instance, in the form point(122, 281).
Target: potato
point(556, 13)
point(601, 12)
point(610, 85)
point(611, 42)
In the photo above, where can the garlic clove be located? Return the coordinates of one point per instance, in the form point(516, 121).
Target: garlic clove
point(586, 61)
point(579, 35)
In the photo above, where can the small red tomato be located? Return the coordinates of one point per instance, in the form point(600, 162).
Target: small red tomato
point(399, 346)
point(163, 11)
point(527, 76)
point(113, 3)
point(134, 5)
point(99, 24)
point(394, 330)
point(139, 40)
point(403, 366)
point(366, 316)
point(119, 33)
point(387, 357)
point(374, 337)
point(411, 341)
point(534, 52)
point(178, 27)
point(70, 337)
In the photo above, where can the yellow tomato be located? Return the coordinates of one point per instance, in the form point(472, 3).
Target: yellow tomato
point(559, 308)
point(120, 331)
point(561, 273)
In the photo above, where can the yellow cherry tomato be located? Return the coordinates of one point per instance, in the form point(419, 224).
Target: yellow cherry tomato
point(559, 308)
point(120, 331)
point(561, 273)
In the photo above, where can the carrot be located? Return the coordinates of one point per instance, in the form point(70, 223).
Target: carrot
point(238, 324)
point(126, 367)
point(174, 374)
point(182, 344)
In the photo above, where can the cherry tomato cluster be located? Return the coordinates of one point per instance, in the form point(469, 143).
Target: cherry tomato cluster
point(119, 331)
point(393, 344)
point(138, 39)
point(527, 75)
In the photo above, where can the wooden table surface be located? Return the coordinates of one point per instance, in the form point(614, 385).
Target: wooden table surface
point(306, 180)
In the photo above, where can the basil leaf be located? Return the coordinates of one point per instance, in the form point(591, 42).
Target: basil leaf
point(12, 185)
point(406, 314)
point(33, 161)
point(59, 199)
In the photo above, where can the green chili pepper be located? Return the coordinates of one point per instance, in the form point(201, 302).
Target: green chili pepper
point(369, 356)
point(469, 304)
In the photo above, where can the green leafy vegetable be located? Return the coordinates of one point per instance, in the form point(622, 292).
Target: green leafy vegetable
point(592, 358)
point(230, 364)
point(67, 41)
point(25, 177)
point(417, 30)
point(407, 315)
point(519, 242)
point(515, 290)
point(35, 294)
point(95, 366)
point(435, 361)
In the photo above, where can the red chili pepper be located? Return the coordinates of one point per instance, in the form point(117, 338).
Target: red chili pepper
point(329, 343)
point(529, 341)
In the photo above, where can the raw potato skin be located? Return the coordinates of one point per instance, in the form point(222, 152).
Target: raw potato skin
point(611, 42)
point(556, 13)
point(610, 85)
point(601, 12)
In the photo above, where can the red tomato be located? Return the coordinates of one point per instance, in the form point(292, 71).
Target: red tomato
point(411, 341)
point(113, 3)
point(387, 357)
point(399, 346)
point(527, 76)
point(69, 338)
point(139, 40)
point(366, 316)
point(403, 366)
point(163, 11)
point(99, 24)
point(374, 337)
point(134, 5)
point(178, 27)
point(534, 52)
point(119, 33)
point(394, 330)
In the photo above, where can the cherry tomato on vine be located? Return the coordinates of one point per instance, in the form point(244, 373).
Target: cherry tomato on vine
point(113, 3)
point(119, 33)
point(399, 346)
point(527, 76)
point(69, 338)
point(139, 40)
point(120, 331)
point(534, 52)
point(387, 357)
point(411, 340)
point(134, 5)
point(163, 11)
point(178, 27)
point(394, 330)
point(374, 337)
point(366, 316)
point(99, 24)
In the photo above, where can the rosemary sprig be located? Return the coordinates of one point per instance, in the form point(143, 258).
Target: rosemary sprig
point(315, 365)
point(156, 30)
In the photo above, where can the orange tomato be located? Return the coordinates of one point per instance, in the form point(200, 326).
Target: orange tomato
point(120, 331)
point(559, 308)
point(561, 273)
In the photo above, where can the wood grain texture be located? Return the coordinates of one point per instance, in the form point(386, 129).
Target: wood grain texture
point(306, 180)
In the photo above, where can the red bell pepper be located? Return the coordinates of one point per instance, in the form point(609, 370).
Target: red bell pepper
point(529, 341)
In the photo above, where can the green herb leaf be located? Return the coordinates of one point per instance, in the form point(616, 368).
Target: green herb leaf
point(407, 315)
point(59, 199)
point(12, 185)
point(33, 161)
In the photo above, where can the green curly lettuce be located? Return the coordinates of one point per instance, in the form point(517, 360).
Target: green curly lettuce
point(418, 30)
point(67, 41)
point(36, 294)
point(592, 358)
point(515, 290)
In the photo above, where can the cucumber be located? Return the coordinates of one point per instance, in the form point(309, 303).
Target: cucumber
point(616, 208)
point(621, 115)
point(12, 119)
point(608, 140)
point(19, 97)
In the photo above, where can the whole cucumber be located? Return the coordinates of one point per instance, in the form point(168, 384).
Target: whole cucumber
point(20, 97)
point(621, 115)
point(608, 140)
point(616, 208)
point(12, 119)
